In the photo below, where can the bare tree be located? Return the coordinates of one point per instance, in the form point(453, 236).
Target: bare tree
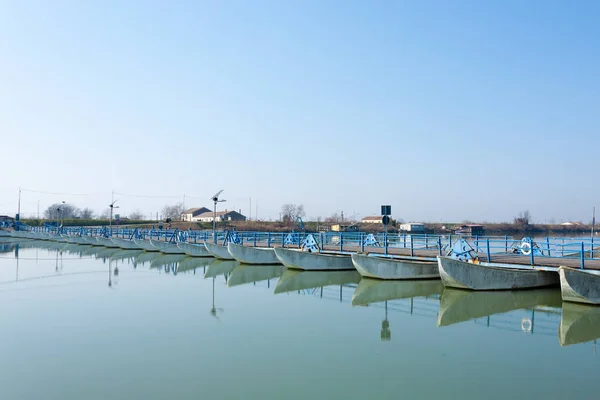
point(290, 212)
point(136, 215)
point(174, 212)
point(333, 218)
point(523, 219)
point(105, 214)
point(61, 210)
point(87, 213)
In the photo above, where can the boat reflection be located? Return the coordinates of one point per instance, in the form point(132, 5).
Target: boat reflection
point(375, 290)
point(146, 257)
point(169, 261)
point(462, 305)
point(293, 280)
point(220, 267)
point(579, 323)
point(254, 273)
point(193, 263)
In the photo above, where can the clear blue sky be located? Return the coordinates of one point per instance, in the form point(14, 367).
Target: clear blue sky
point(447, 110)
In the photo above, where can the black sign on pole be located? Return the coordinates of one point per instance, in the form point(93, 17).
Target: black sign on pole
point(386, 210)
point(385, 219)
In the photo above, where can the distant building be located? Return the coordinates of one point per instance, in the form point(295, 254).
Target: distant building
point(344, 228)
point(373, 220)
point(221, 216)
point(568, 223)
point(6, 218)
point(471, 229)
point(413, 227)
point(192, 214)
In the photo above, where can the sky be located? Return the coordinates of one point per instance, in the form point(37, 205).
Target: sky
point(446, 110)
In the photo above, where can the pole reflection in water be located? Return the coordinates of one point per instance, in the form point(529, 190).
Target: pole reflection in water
point(213, 310)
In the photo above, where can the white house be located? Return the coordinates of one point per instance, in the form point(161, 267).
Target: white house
point(413, 227)
point(373, 220)
point(221, 216)
point(193, 214)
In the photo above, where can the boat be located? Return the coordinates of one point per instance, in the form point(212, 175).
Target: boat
point(106, 242)
point(458, 305)
point(371, 291)
point(394, 268)
point(91, 240)
point(125, 243)
point(218, 251)
point(194, 249)
point(579, 285)
point(220, 267)
point(308, 261)
point(579, 323)
point(293, 280)
point(254, 273)
point(166, 247)
point(488, 276)
point(145, 244)
point(252, 255)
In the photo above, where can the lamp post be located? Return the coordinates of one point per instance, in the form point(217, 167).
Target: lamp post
point(216, 200)
point(112, 206)
point(58, 210)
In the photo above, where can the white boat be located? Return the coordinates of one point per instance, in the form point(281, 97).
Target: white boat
point(106, 242)
point(394, 268)
point(166, 247)
point(91, 240)
point(125, 243)
point(579, 285)
point(254, 273)
point(218, 251)
point(486, 276)
point(252, 255)
point(308, 261)
point(145, 244)
point(371, 291)
point(463, 305)
point(194, 249)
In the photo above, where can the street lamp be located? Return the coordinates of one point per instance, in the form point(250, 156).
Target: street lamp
point(112, 206)
point(58, 210)
point(216, 200)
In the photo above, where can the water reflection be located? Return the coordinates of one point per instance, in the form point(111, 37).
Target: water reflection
point(220, 267)
point(579, 323)
point(461, 305)
point(193, 263)
point(146, 257)
point(374, 290)
point(293, 280)
point(167, 260)
point(254, 273)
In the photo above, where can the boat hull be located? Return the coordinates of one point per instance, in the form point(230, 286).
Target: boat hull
point(243, 274)
point(145, 244)
point(252, 255)
point(293, 280)
point(218, 251)
point(125, 244)
point(579, 323)
point(194, 250)
point(389, 268)
point(106, 242)
point(464, 275)
point(166, 247)
point(579, 286)
point(306, 261)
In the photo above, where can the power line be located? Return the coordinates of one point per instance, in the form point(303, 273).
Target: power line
point(63, 194)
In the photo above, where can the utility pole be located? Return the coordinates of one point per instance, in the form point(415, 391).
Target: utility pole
point(19, 206)
point(250, 209)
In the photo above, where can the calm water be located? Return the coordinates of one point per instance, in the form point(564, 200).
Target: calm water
point(92, 323)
